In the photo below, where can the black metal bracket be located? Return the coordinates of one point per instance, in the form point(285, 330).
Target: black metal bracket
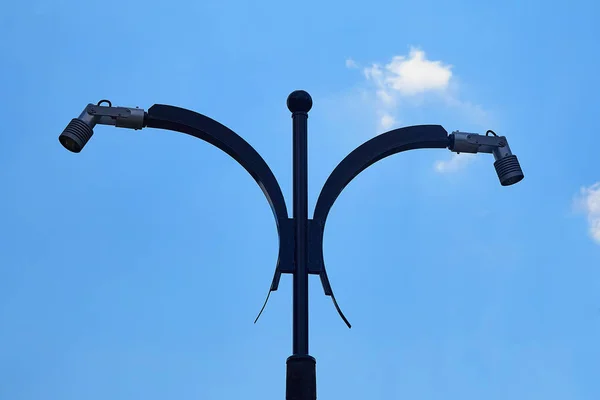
point(315, 249)
point(286, 252)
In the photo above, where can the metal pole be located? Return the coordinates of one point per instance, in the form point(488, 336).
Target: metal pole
point(301, 367)
point(300, 301)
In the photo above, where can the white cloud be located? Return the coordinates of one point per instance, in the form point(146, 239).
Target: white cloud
point(417, 74)
point(350, 63)
point(386, 98)
point(413, 79)
point(387, 121)
point(408, 76)
point(455, 163)
point(588, 201)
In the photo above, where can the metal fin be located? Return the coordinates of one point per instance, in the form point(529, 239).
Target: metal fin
point(340, 311)
point(329, 292)
point(263, 307)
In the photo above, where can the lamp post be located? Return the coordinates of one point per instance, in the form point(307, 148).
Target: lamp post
point(300, 237)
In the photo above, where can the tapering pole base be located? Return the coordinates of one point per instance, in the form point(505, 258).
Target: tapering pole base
point(301, 378)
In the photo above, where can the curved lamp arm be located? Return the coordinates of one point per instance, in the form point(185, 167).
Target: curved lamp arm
point(185, 121)
point(382, 146)
point(160, 116)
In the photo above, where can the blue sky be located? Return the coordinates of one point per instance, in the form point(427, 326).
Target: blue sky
point(135, 268)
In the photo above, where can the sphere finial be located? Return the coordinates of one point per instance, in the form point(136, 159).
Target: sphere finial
point(299, 101)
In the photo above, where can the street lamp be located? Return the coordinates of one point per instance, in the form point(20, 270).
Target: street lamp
point(300, 238)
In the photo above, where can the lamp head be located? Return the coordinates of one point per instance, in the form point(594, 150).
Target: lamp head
point(80, 129)
point(507, 165)
point(509, 170)
point(76, 135)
